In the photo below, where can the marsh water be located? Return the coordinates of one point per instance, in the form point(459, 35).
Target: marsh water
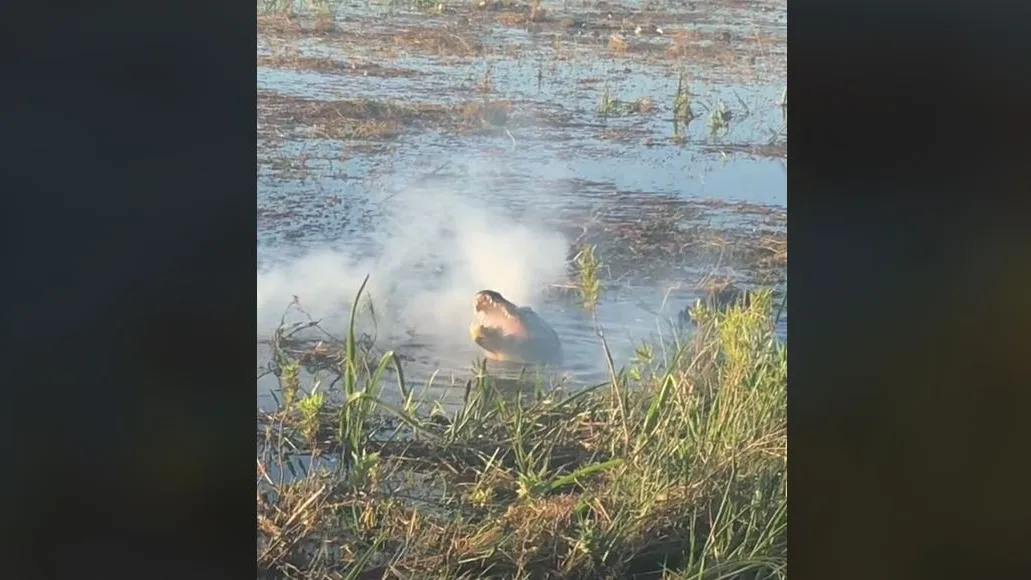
point(654, 195)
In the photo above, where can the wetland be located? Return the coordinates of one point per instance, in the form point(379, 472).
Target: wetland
point(620, 168)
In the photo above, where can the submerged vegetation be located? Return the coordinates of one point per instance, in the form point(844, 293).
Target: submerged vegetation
point(676, 468)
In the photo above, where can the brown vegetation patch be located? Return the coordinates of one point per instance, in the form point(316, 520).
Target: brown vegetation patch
point(516, 13)
point(299, 62)
point(439, 41)
point(652, 34)
point(512, 18)
point(485, 113)
point(368, 119)
point(642, 106)
point(679, 234)
point(278, 24)
point(682, 42)
point(287, 25)
point(775, 248)
point(623, 135)
point(613, 107)
point(777, 149)
point(502, 5)
point(639, 36)
point(618, 43)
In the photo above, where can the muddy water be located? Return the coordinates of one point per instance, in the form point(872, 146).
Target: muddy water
point(557, 166)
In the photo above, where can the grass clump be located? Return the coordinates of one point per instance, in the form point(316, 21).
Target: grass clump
point(609, 106)
point(682, 101)
point(681, 473)
point(589, 284)
point(311, 409)
point(719, 118)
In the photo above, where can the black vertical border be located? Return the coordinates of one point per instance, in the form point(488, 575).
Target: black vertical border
point(909, 252)
point(129, 140)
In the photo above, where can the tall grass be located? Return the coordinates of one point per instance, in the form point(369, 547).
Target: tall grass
point(682, 100)
point(588, 280)
point(684, 476)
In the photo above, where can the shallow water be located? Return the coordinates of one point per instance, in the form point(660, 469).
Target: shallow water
point(558, 164)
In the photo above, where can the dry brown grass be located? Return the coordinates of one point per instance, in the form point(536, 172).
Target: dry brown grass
point(485, 113)
point(292, 59)
point(290, 518)
point(537, 12)
point(371, 120)
point(776, 248)
point(501, 5)
point(564, 34)
point(618, 43)
point(682, 42)
point(512, 18)
point(438, 41)
point(324, 23)
point(516, 13)
point(299, 62)
point(486, 84)
point(642, 106)
point(278, 24)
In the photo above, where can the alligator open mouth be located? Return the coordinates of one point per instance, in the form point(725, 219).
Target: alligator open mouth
point(507, 332)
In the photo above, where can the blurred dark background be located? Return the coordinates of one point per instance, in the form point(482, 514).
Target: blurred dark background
point(908, 209)
point(129, 140)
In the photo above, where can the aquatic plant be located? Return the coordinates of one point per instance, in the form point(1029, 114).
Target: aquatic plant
point(588, 282)
point(682, 100)
point(719, 118)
